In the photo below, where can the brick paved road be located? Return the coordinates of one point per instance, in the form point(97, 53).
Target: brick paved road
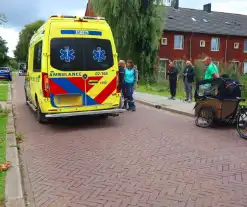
point(147, 158)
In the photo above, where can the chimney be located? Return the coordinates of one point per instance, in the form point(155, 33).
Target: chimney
point(207, 8)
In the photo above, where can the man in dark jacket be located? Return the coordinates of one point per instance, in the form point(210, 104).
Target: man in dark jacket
point(173, 76)
point(188, 78)
point(121, 68)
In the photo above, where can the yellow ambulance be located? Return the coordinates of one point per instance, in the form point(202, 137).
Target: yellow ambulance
point(72, 69)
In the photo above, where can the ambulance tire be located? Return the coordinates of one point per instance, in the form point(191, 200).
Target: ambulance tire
point(39, 115)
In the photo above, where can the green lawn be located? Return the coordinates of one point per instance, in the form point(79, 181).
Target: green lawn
point(4, 82)
point(162, 90)
point(3, 122)
point(4, 93)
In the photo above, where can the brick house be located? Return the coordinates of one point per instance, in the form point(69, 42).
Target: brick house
point(192, 33)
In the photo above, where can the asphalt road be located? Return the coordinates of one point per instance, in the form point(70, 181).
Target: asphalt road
point(143, 158)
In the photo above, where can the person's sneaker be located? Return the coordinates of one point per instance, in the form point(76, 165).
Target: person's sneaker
point(173, 98)
point(133, 109)
point(170, 98)
point(186, 100)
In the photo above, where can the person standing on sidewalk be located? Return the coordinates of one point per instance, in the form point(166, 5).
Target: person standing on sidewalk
point(121, 70)
point(129, 81)
point(173, 76)
point(188, 79)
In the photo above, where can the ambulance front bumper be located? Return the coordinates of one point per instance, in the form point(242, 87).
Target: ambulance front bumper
point(86, 113)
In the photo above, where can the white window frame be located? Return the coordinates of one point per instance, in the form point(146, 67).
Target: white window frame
point(202, 43)
point(218, 46)
point(243, 67)
point(245, 51)
point(236, 45)
point(165, 68)
point(238, 62)
point(181, 42)
point(182, 65)
point(163, 41)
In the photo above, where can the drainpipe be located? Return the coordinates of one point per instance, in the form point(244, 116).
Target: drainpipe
point(191, 45)
point(226, 50)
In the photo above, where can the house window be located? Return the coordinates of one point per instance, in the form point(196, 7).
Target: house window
point(179, 42)
point(179, 64)
point(37, 57)
point(245, 46)
point(162, 69)
point(164, 41)
point(215, 44)
point(236, 45)
point(202, 43)
point(235, 65)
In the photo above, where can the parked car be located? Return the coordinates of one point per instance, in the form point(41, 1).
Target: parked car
point(21, 73)
point(22, 69)
point(6, 73)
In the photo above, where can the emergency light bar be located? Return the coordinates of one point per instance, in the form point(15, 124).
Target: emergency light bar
point(74, 17)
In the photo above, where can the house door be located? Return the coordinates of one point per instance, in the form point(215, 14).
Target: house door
point(162, 69)
point(245, 68)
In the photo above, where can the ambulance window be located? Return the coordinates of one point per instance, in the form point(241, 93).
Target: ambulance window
point(81, 54)
point(37, 57)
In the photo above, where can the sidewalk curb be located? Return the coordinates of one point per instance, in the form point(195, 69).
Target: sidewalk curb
point(165, 108)
point(14, 196)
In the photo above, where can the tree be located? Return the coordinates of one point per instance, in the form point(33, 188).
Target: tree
point(3, 19)
point(3, 52)
point(21, 51)
point(137, 28)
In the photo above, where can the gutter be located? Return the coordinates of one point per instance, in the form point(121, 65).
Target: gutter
point(226, 49)
point(191, 44)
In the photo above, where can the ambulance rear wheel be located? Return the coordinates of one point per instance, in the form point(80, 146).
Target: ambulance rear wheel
point(39, 115)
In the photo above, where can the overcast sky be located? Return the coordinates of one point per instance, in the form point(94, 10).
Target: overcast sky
point(21, 12)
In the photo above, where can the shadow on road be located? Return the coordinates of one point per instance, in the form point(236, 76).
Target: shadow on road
point(79, 122)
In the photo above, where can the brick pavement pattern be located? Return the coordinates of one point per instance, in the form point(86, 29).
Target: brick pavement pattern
point(146, 158)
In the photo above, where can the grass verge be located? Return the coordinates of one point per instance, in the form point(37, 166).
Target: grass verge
point(4, 93)
point(4, 82)
point(161, 89)
point(3, 122)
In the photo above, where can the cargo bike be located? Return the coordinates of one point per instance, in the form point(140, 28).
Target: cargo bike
point(218, 101)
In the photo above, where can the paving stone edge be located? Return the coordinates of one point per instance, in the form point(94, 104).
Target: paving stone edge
point(14, 195)
point(165, 108)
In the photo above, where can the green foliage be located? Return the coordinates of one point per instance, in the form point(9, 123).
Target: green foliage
point(3, 52)
point(25, 36)
point(136, 31)
point(3, 19)
point(3, 122)
point(12, 63)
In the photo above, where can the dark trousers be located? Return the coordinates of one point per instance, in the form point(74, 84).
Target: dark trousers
point(128, 94)
point(173, 87)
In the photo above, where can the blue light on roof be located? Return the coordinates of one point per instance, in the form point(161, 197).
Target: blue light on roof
point(81, 32)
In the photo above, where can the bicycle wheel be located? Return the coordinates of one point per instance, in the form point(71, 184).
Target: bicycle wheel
point(205, 117)
point(242, 123)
